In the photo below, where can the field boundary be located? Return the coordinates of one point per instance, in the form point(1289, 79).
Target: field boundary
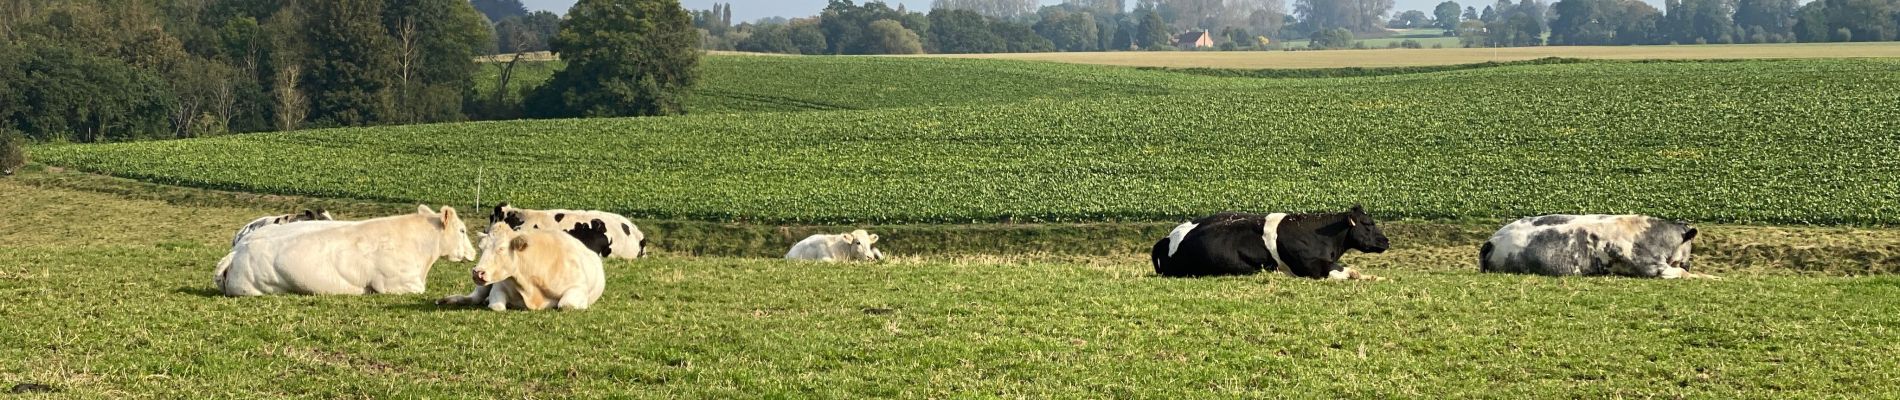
point(1782, 249)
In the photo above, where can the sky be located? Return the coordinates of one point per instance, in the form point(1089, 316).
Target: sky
point(749, 10)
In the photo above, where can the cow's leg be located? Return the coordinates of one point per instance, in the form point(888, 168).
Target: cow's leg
point(478, 296)
point(498, 295)
point(574, 299)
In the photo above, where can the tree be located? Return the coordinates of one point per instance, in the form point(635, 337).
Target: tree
point(1354, 15)
point(1000, 9)
point(890, 37)
point(1471, 13)
point(1446, 15)
point(1471, 33)
point(624, 58)
point(1021, 38)
point(347, 72)
point(1153, 32)
point(1766, 19)
point(436, 42)
point(807, 36)
point(963, 32)
point(1335, 38)
point(11, 154)
point(1410, 19)
point(846, 25)
point(1811, 23)
point(532, 31)
point(1066, 30)
point(497, 10)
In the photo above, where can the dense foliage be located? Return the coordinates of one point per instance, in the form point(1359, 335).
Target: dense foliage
point(624, 58)
point(1759, 141)
point(141, 69)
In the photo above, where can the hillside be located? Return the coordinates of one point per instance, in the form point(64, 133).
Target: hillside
point(1738, 142)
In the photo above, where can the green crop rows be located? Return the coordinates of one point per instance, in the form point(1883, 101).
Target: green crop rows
point(977, 141)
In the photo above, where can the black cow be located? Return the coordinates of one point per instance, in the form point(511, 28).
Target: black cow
point(1231, 243)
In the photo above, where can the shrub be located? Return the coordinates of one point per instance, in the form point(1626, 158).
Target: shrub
point(11, 155)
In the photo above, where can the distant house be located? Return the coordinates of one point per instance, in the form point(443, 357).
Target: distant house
point(1194, 40)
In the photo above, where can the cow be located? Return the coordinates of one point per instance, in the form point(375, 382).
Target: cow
point(625, 240)
point(307, 215)
point(1563, 245)
point(534, 269)
point(1304, 245)
point(852, 246)
point(383, 255)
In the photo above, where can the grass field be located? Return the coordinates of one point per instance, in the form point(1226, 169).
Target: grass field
point(1017, 201)
point(1737, 142)
point(1450, 55)
point(105, 311)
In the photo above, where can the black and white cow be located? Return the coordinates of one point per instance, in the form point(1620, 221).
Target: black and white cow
point(624, 239)
point(1307, 245)
point(1559, 245)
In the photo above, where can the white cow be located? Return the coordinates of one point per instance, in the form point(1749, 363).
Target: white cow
point(536, 270)
point(845, 247)
point(307, 215)
point(383, 255)
point(624, 239)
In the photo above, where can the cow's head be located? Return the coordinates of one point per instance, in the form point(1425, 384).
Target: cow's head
point(308, 215)
point(1364, 234)
point(861, 249)
point(453, 242)
point(1680, 257)
point(498, 248)
point(593, 235)
point(504, 213)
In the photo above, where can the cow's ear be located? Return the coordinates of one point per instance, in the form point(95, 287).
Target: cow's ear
point(873, 238)
point(424, 209)
point(309, 215)
point(1358, 210)
point(1689, 235)
point(497, 213)
point(448, 213)
point(520, 243)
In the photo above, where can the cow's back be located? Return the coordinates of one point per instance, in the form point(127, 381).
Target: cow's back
point(1560, 245)
point(1221, 244)
point(815, 247)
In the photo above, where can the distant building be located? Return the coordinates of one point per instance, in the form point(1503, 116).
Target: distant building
point(1194, 40)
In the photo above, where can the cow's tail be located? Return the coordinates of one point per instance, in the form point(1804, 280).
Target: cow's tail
point(1484, 257)
point(224, 268)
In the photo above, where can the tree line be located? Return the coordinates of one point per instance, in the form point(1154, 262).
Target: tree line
point(89, 71)
point(997, 26)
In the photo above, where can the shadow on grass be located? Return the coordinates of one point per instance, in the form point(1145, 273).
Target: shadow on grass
point(429, 305)
point(199, 291)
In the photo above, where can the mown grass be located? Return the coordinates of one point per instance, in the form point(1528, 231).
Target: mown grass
point(115, 302)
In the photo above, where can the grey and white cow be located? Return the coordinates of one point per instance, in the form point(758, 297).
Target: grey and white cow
point(1560, 245)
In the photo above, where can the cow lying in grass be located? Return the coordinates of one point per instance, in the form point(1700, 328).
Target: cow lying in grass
point(1559, 245)
point(307, 215)
point(383, 255)
point(537, 269)
point(625, 240)
point(852, 246)
point(1305, 245)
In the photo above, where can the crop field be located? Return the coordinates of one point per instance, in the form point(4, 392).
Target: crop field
point(1451, 54)
point(1733, 142)
point(104, 311)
